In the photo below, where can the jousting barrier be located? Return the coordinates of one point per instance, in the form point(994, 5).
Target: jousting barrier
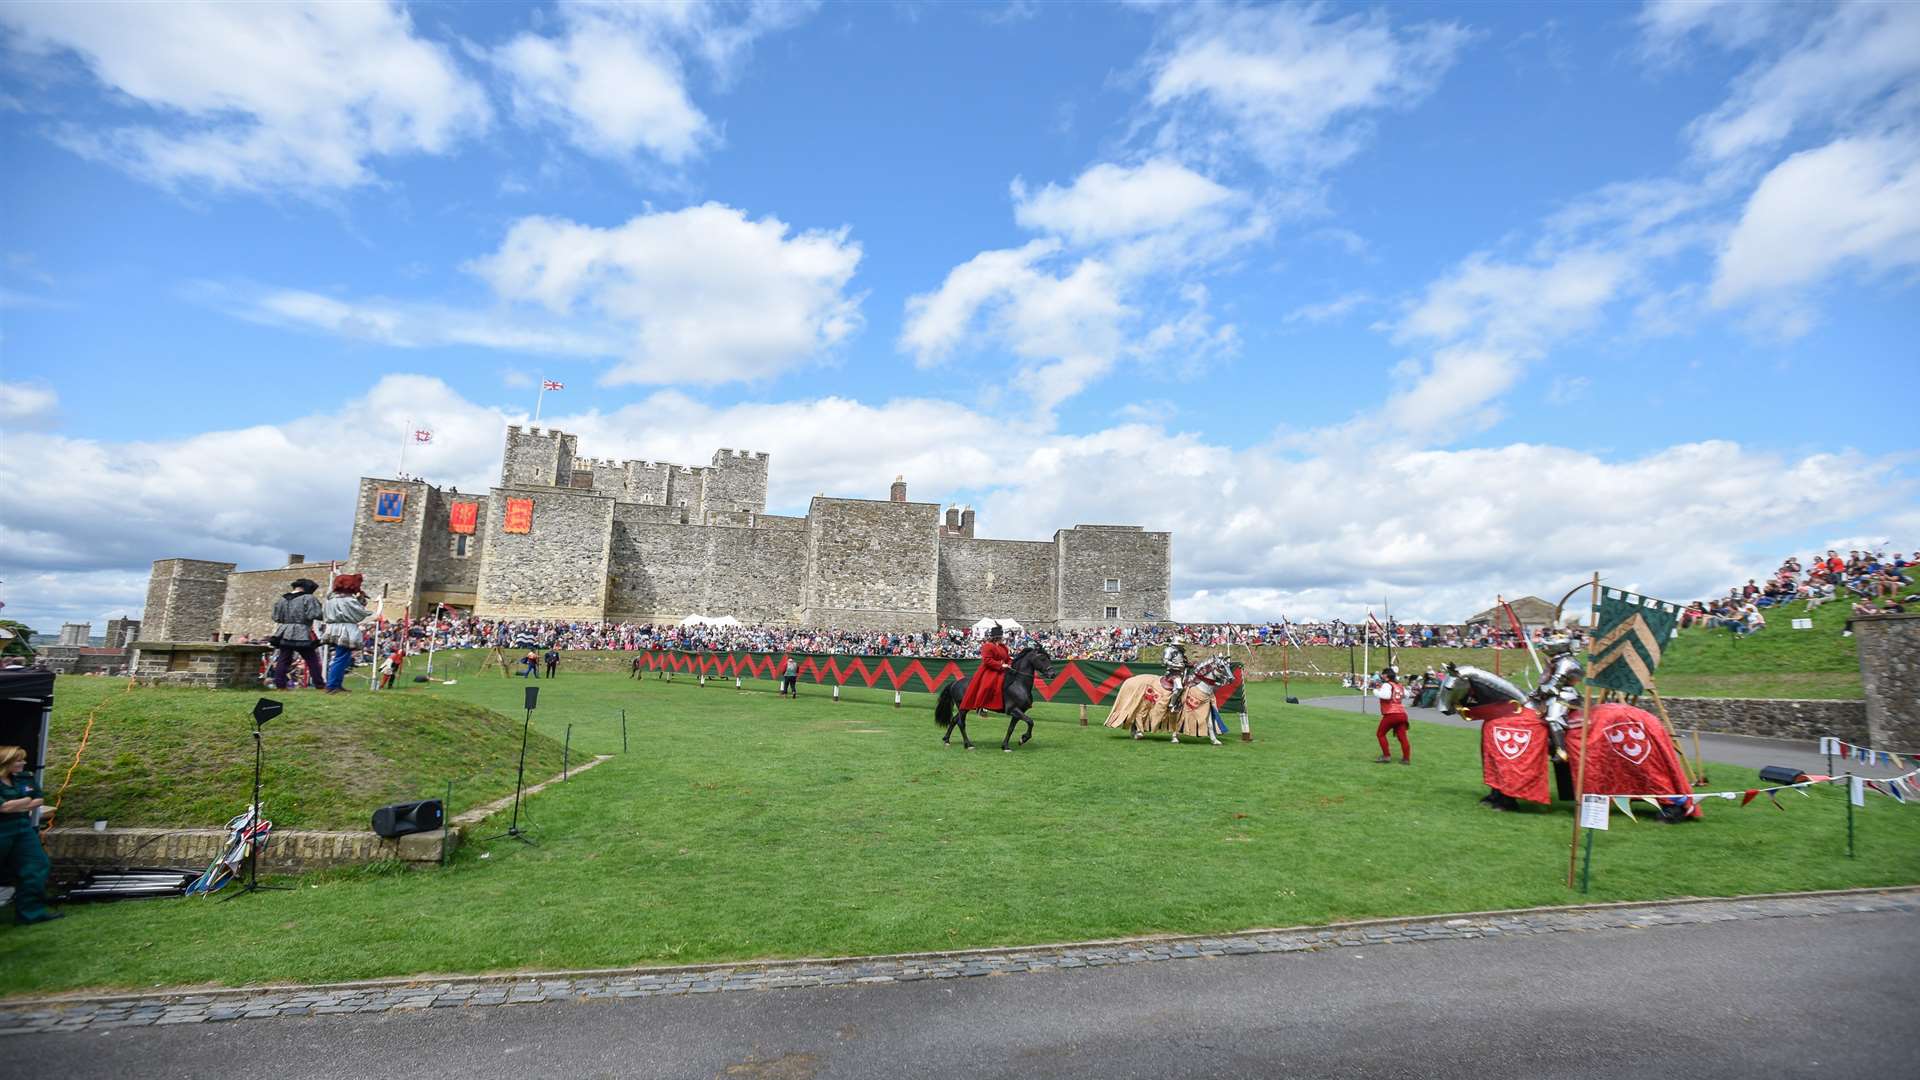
point(1074, 682)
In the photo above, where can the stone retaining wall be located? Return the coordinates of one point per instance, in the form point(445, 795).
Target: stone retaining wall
point(1806, 720)
point(1889, 649)
point(287, 852)
point(197, 663)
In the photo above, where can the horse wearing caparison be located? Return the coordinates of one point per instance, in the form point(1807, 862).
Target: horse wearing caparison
point(1016, 698)
point(1144, 703)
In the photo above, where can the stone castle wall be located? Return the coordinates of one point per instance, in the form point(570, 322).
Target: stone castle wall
point(997, 579)
point(653, 541)
point(1090, 555)
point(185, 598)
point(666, 571)
point(559, 570)
point(872, 564)
point(248, 610)
point(1889, 650)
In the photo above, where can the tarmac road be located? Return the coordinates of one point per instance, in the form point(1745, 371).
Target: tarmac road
point(1761, 996)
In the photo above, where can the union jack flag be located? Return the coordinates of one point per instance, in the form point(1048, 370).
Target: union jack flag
point(549, 384)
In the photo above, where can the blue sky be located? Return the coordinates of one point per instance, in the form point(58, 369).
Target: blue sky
point(1420, 302)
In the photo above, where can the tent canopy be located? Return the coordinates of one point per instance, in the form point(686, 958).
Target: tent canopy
point(1009, 625)
point(709, 620)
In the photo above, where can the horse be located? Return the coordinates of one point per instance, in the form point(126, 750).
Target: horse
point(1639, 754)
point(1017, 696)
point(1142, 707)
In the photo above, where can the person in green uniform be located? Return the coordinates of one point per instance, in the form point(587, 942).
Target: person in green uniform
point(22, 860)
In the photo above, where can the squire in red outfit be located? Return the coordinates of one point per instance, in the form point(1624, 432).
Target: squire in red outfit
point(1393, 716)
point(986, 684)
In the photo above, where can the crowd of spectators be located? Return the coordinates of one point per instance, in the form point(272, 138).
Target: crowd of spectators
point(1114, 643)
point(1872, 581)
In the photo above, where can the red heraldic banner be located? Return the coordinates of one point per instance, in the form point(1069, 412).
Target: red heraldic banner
point(461, 517)
point(519, 516)
point(1629, 753)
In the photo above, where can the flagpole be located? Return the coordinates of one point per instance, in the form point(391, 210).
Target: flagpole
point(538, 400)
point(1586, 727)
point(406, 432)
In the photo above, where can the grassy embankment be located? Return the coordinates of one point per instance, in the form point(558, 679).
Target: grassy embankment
point(743, 826)
point(185, 757)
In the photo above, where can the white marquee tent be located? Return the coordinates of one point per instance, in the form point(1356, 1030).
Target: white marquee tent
point(1008, 625)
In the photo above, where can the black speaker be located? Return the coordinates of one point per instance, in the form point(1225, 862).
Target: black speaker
point(1782, 774)
point(402, 819)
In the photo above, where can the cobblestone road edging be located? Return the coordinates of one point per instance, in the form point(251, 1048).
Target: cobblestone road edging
point(399, 995)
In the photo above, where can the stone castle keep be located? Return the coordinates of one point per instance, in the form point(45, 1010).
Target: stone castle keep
point(567, 537)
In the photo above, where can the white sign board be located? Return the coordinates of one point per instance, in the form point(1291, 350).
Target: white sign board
point(1856, 791)
point(1803, 624)
point(1593, 811)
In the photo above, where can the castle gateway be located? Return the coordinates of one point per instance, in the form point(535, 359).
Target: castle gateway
point(566, 537)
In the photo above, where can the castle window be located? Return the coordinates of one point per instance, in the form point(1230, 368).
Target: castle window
point(1112, 612)
point(459, 545)
point(1113, 585)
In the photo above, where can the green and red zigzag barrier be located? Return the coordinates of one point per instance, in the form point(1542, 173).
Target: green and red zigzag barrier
point(1074, 682)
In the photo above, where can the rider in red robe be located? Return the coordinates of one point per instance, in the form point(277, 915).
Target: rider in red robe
point(984, 688)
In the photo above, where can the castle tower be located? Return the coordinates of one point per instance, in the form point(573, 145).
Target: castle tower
point(122, 632)
point(76, 633)
point(736, 485)
point(543, 458)
point(184, 600)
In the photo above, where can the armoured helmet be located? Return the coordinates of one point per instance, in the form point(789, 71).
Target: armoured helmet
point(1555, 641)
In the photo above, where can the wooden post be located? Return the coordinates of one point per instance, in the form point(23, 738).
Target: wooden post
point(1083, 714)
point(1586, 724)
point(896, 698)
point(836, 693)
point(1246, 730)
point(1699, 775)
point(1286, 671)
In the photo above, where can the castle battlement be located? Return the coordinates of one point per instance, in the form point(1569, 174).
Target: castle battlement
point(571, 537)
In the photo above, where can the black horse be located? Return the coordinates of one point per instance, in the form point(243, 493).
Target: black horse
point(1017, 697)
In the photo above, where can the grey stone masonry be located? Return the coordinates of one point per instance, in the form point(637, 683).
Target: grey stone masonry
point(656, 542)
point(184, 599)
point(197, 663)
point(1889, 650)
point(1782, 719)
point(531, 988)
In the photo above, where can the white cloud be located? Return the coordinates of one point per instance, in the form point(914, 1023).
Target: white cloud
point(1292, 84)
point(1255, 531)
point(1329, 310)
point(1855, 63)
point(1854, 200)
point(258, 96)
point(1111, 201)
point(23, 401)
point(613, 77)
point(408, 325)
point(705, 294)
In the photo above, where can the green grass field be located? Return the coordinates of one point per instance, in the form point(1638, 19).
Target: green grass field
point(184, 757)
point(742, 826)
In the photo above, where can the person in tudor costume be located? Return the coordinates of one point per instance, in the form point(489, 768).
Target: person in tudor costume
point(1393, 716)
point(986, 684)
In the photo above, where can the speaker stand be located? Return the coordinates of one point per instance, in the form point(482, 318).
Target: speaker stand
point(252, 883)
point(519, 781)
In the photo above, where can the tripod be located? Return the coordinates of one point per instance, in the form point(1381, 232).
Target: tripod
point(519, 781)
point(263, 710)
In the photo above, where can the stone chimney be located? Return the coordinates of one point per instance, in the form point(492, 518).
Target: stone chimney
point(899, 493)
point(953, 518)
point(295, 558)
point(966, 521)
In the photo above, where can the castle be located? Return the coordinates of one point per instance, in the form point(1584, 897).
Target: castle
point(567, 537)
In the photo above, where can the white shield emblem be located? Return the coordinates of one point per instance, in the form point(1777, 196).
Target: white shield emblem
point(1629, 739)
point(1511, 741)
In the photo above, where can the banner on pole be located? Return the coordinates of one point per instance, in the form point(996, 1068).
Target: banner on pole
point(1627, 638)
point(1074, 682)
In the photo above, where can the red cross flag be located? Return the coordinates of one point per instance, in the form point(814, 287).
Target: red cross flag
point(549, 384)
point(422, 435)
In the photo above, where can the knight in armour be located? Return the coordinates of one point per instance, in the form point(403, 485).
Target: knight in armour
point(1178, 669)
point(1559, 687)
